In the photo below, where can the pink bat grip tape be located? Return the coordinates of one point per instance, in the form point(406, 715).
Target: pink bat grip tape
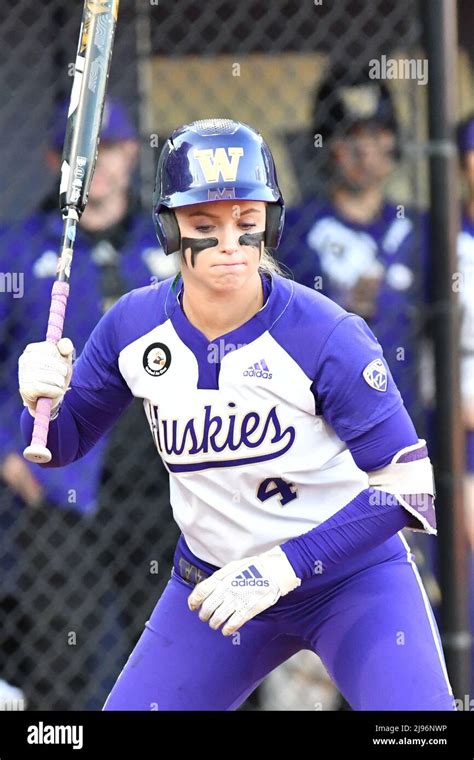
point(37, 450)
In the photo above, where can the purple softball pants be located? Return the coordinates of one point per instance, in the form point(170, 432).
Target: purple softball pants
point(371, 625)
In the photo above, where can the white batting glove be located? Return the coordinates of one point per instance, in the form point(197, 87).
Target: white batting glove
point(45, 369)
point(243, 588)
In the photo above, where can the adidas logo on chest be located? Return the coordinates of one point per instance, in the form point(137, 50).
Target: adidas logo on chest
point(259, 369)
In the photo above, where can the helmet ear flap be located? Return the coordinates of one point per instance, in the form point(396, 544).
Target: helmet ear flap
point(168, 230)
point(275, 214)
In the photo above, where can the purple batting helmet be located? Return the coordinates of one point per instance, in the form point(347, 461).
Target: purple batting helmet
point(211, 160)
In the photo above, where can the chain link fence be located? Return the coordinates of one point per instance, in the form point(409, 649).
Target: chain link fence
point(87, 550)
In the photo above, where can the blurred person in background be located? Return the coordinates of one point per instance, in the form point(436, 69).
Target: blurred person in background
point(361, 250)
point(115, 251)
point(466, 297)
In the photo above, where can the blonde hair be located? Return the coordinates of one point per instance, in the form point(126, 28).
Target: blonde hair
point(268, 263)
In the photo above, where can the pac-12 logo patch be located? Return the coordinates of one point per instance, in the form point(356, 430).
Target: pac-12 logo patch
point(157, 359)
point(375, 375)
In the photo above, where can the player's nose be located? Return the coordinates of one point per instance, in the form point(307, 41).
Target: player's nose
point(229, 239)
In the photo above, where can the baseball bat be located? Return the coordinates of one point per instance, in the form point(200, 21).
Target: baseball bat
point(78, 161)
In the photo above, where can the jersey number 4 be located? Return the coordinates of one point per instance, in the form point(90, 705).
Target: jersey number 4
point(277, 486)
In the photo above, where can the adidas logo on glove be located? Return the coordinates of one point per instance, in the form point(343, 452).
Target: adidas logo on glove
point(259, 369)
point(250, 577)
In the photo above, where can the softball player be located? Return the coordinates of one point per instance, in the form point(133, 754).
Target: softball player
point(293, 463)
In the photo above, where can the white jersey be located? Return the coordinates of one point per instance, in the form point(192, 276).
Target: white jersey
point(253, 426)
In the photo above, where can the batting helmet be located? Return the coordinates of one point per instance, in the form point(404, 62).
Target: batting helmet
point(211, 160)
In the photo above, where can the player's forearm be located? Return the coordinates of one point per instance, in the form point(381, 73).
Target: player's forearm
point(355, 529)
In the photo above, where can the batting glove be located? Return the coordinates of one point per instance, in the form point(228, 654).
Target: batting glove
point(243, 588)
point(45, 369)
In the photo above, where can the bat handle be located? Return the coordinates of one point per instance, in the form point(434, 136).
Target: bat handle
point(37, 451)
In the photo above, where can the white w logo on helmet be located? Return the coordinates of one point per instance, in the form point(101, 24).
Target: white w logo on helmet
point(221, 161)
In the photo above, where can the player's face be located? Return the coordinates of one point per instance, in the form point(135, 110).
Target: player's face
point(225, 263)
point(364, 158)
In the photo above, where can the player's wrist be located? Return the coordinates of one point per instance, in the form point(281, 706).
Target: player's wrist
point(53, 413)
point(281, 569)
point(55, 410)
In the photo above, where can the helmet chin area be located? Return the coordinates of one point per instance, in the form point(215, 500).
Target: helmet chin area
point(255, 239)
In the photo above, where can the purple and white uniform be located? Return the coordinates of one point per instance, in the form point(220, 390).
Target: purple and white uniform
point(268, 434)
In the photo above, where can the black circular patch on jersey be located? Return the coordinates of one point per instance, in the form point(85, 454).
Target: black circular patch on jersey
point(157, 359)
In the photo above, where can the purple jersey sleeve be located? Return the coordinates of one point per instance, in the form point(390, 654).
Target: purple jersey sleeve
point(97, 397)
point(354, 388)
point(377, 447)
